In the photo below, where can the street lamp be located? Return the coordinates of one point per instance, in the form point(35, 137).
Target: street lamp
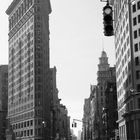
point(105, 121)
point(57, 136)
point(44, 124)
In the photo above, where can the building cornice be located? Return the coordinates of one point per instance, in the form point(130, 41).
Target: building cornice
point(11, 7)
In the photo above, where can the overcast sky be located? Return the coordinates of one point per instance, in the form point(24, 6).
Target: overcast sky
point(76, 43)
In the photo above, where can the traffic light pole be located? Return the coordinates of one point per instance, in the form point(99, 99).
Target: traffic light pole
point(84, 122)
point(104, 1)
point(79, 121)
point(74, 122)
point(108, 19)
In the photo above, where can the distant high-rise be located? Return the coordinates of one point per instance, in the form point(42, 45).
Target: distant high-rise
point(93, 126)
point(28, 81)
point(127, 51)
point(89, 128)
point(3, 99)
point(105, 73)
point(85, 119)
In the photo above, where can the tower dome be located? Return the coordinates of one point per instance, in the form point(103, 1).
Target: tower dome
point(104, 54)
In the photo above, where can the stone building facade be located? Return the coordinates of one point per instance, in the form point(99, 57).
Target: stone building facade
point(127, 54)
point(94, 127)
point(28, 73)
point(60, 121)
point(3, 100)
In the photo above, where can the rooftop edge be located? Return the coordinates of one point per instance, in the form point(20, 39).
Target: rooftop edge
point(11, 7)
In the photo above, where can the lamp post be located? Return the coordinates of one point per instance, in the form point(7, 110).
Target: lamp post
point(105, 121)
point(43, 129)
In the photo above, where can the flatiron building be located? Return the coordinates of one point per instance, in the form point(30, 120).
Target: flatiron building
point(28, 70)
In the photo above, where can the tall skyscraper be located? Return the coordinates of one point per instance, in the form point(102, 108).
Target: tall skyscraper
point(127, 48)
point(105, 73)
point(28, 81)
point(103, 76)
point(3, 99)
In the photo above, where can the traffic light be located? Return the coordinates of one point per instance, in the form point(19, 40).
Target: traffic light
point(108, 20)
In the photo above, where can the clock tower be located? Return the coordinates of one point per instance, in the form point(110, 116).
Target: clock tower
point(103, 68)
point(105, 73)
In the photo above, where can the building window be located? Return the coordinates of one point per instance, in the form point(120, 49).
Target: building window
point(27, 132)
point(138, 87)
point(31, 132)
point(24, 124)
point(138, 5)
point(129, 78)
point(134, 8)
point(131, 105)
point(136, 61)
point(139, 45)
point(136, 47)
point(102, 101)
point(101, 93)
point(139, 31)
point(27, 123)
point(137, 74)
point(31, 123)
point(134, 21)
point(135, 34)
point(138, 18)
point(139, 103)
